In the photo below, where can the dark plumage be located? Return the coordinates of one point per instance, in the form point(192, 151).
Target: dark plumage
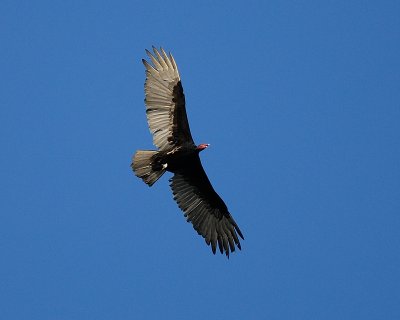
point(177, 153)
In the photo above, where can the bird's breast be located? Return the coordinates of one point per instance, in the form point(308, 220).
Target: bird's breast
point(179, 159)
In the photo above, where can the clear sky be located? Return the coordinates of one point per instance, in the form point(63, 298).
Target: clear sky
point(300, 101)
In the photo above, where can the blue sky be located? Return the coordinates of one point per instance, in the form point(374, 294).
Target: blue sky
point(301, 104)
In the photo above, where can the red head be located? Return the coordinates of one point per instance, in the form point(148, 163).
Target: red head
point(202, 146)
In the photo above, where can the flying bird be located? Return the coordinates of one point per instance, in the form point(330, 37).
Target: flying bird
point(177, 153)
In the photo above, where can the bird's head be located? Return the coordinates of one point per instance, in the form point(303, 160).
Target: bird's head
point(202, 146)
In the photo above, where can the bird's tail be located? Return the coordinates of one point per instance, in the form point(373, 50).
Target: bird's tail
point(145, 166)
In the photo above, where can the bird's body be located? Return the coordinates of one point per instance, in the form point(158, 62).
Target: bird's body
point(177, 153)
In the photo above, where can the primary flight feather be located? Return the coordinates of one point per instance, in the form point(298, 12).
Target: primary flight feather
point(177, 153)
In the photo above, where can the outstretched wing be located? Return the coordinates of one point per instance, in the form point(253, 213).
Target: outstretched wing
point(165, 102)
point(204, 208)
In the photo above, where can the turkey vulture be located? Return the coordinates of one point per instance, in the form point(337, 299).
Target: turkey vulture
point(177, 153)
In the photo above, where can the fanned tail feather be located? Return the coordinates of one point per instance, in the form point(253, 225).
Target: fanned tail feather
point(145, 168)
